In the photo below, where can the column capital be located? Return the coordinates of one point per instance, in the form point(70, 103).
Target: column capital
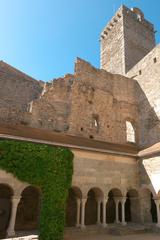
point(16, 198)
point(105, 199)
point(84, 200)
point(157, 201)
point(117, 199)
point(123, 199)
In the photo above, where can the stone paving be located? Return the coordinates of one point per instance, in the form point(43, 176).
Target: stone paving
point(145, 236)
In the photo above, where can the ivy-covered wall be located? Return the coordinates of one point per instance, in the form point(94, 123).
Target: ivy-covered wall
point(47, 167)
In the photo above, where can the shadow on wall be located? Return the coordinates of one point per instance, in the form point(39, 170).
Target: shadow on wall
point(148, 122)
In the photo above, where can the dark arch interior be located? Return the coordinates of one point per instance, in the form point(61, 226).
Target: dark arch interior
point(153, 209)
point(110, 208)
point(91, 208)
point(28, 210)
point(5, 208)
point(71, 209)
point(128, 209)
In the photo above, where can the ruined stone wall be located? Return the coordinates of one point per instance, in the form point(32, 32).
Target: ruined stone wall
point(101, 104)
point(52, 109)
point(16, 91)
point(147, 73)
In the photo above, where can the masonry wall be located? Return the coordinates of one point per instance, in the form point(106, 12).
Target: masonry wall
point(52, 109)
point(112, 45)
point(147, 73)
point(16, 91)
point(126, 39)
point(139, 37)
point(104, 171)
point(109, 99)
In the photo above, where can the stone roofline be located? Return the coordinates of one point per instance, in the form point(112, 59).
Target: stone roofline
point(16, 72)
point(119, 14)
point(23, 133)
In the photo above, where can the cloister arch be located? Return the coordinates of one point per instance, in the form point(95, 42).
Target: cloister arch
point(132, 206)
point(93, 206)
point(6, 193)
point(148, 206)
point(114, 196)
point(28, 210)
point(72, 206)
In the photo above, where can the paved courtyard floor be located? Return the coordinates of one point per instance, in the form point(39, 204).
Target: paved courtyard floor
point(145, 236)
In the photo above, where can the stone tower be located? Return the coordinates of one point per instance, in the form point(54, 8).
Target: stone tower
point(126, 39)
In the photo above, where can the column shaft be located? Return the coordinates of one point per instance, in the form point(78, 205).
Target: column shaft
point(83, 204)
point(99, 212)
point(157, 202)
point(104, 213)
point(123, 211)
point(10, 230)
point(78, 212)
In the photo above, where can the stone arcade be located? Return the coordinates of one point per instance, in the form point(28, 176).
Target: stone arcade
point(108, 117)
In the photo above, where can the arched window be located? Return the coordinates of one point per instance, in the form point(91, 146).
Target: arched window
point(130, 132)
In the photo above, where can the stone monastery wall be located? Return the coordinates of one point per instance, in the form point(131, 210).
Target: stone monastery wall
point(101, 104)
point(16, 91)
point(147, 73)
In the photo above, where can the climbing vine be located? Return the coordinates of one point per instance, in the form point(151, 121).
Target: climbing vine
point(47, 167)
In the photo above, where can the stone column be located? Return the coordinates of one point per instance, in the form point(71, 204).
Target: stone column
point(123, 200)
point(99, 211)
point(157, 202)
point(83, 204)
point(117, 200)
point(10, 230)
point(104, 202)
point(78, 212)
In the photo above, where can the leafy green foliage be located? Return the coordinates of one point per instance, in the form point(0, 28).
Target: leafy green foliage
point(47, 167)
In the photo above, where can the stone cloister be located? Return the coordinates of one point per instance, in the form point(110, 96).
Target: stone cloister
point(96, 207)
point(114, 206)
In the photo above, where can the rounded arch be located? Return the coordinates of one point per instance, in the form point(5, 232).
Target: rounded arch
point(98, 192)
point(113, 194)
point(148, 206)
point(6, 192)
point(132, 206)
point(94, 195)
point(74, 196)
point(28, 210)
point(146, 188)
point(133, 193)
point(131, 133)
point(116, 192)
point(77, 191)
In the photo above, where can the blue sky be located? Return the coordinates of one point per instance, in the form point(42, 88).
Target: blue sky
point(43, 37)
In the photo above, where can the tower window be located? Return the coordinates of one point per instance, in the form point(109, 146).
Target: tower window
point(155, 60)
point(130, 132)
point(140, 72)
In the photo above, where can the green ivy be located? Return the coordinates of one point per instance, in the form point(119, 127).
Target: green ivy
point(47, 167)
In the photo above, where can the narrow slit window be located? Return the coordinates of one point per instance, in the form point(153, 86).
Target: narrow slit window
point(95, 121)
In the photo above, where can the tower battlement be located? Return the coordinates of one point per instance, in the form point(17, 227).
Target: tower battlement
point(125, 40)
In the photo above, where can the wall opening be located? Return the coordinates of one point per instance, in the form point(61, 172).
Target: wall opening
point(130, 132)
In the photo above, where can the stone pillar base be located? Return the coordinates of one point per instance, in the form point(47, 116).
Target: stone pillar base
point(104, 225)
point(11, 233)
